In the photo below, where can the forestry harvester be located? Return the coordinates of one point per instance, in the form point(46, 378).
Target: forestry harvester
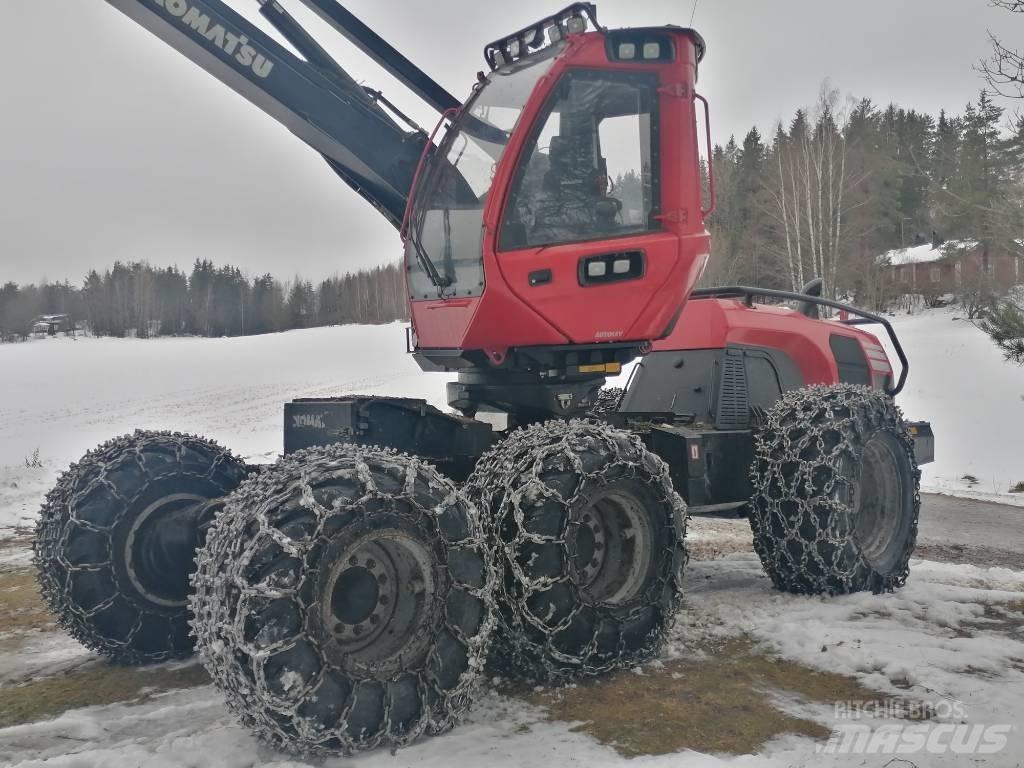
point(351, 595)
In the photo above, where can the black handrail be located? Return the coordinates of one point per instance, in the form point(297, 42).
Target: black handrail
point(863, 317)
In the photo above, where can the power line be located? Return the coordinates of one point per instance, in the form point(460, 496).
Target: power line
point(694, 11)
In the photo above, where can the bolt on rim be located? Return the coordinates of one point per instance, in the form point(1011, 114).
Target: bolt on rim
point(377, 599)
point(612, 542)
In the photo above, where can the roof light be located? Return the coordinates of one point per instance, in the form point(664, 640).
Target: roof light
point(627, 50)
point(499, 58)
point(652, 50)
point(620, 266)
point(554, 33)
point(514, 48)
point(576, 25)
point(597, 269)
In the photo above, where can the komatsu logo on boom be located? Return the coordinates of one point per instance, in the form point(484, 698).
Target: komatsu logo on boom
point(234, 46)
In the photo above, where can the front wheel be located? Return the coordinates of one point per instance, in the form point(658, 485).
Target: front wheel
point(836, 492)
point(343, 600)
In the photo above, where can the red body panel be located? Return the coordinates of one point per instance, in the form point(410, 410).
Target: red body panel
point(511, 313)
point(716, 323)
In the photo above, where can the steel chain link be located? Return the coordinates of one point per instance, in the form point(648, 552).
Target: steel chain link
point(522, 473)
point(804, 473)
point(59, 519)
point(222, 591)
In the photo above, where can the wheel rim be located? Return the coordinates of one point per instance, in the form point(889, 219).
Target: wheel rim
point(879, 500)
point(376, 600)
point(612, 543)
point(160, 548)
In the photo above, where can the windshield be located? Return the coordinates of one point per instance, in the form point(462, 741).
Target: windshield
point(448, 220)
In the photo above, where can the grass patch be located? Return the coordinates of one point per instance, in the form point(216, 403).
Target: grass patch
point(21, 608)
point(1007, 618)
point(18, 538)
point(723, 703)
point(52, 696)
point(971, 555)
point(22, 611)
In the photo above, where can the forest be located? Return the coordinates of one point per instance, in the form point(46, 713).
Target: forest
point(846, 181)
point(137, 299)
point(823, 195)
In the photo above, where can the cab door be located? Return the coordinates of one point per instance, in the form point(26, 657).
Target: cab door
point(581, 237)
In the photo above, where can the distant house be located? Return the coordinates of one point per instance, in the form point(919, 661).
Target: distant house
point(51, 325)
point(938, 269)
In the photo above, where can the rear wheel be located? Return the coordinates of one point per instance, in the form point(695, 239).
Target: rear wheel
point(343, 600)
point(836, 492)
point(117, 536)
point(589, 539)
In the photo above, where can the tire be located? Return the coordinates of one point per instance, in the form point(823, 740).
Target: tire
point(116, 540)
point(836, 492)
point(608, 401)
point(343, 601)
point(556, 495)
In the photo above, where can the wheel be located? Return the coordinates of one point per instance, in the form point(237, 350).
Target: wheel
point(343, 600)
point(608, 400)
point(589, 539)
point(836, 492)
point(116, 541)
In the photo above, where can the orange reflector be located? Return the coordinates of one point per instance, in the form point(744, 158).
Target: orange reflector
point(613, 368)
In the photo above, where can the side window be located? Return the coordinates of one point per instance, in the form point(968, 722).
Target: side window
point(591, 168)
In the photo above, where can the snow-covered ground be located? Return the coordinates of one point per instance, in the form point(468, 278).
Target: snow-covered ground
point(974, 399)
point(953, 637)
point(64, 396)
point(943, 641)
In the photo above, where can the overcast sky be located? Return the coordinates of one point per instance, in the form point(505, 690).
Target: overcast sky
point(114, 146)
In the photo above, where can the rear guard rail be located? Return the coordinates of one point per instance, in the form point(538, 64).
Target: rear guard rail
point(862, 317)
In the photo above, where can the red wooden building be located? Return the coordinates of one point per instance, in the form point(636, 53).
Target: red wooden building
point(935, 270)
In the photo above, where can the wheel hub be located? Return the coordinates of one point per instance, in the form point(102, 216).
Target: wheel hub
point(160, 548)
point(878, 502)
point(376, 599)
point(363, 598)
point(611, 545)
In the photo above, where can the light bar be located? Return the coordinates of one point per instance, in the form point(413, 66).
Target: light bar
point(572, 20)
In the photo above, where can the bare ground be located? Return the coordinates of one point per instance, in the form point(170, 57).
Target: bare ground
point(726, 698)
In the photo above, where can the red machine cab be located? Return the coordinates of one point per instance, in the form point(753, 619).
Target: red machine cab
point(572, 169)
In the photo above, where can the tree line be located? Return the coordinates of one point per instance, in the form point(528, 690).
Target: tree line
point(840, 184)
point(138, 299)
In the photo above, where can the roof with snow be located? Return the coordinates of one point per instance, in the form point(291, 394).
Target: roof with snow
point(923, 254)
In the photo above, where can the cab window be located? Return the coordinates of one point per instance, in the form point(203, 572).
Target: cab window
point(591, 169)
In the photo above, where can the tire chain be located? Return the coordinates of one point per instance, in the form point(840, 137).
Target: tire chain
point(220, 587)
point(810, 436)
point(507, 481)
point(608, 401)
point(50, 544)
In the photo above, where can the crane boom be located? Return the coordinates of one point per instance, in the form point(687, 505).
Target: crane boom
point(314, 98)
